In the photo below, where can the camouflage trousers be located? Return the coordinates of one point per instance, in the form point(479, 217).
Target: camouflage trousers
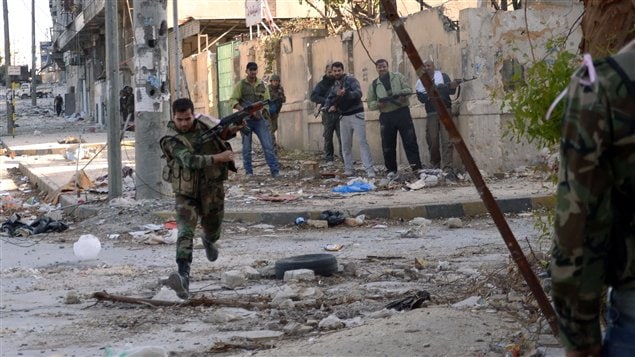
point(210, 207)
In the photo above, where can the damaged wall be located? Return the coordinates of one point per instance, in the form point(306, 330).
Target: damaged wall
point(485, 44)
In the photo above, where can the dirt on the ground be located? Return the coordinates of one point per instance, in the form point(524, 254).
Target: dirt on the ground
point(55, 304)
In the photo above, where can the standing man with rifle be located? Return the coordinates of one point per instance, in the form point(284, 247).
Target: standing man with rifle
point(330, 121)
point(345, 99)
point(198, 160)
point(389, 94)
point(248, 91)
point(437, 137)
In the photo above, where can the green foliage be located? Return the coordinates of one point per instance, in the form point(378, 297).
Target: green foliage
point(531, 97)
point(271, 47)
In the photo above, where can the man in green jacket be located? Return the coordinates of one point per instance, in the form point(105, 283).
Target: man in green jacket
point(389, 94)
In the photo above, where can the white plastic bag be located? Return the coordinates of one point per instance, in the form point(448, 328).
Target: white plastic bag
point(87, 247)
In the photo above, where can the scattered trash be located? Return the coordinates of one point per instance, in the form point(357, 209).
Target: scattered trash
point(420, 263)
point(425, 180)
point(15, 228)
point(87, 247)
point(414, 301)
point(71, 140)
point(169, 225)
point(380, 226)
point(113, 236)
point(355, 221)
point(299, 221)
point(332, 247)
point(332, 217)
point(355, 185)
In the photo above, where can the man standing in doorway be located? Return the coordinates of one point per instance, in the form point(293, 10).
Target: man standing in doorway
point(248, 91)
point(345, 98)
point(389, 94)
point(439, 144)
point(58, 103)
point(330, 121)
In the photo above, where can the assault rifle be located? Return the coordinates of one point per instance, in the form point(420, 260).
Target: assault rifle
point(463, 80)
point(394, 99)
point(233, 119)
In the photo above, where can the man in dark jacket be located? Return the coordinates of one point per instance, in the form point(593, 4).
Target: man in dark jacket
point(345, 99)
point(330, 121)
point(439, 143)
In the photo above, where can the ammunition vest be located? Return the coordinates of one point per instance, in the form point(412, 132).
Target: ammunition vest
point(188, 181)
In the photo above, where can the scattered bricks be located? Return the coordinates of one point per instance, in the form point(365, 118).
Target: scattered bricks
point(299, 274)
point(233, 279)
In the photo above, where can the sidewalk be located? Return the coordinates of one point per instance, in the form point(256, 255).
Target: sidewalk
point(41, 158)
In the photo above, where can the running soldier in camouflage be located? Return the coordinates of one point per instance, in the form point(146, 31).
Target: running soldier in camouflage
point(196, 169)
point(594, 243)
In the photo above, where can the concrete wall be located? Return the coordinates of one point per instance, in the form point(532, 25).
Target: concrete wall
point(485, 41)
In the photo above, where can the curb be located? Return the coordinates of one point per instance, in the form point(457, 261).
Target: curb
point(430, 211)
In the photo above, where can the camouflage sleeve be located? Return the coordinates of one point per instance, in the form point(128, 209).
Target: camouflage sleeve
point(583, 215)
point(184, 155)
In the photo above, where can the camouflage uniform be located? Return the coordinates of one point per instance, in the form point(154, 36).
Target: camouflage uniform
point(197, 184)
point(594, 243)
point(277, 99)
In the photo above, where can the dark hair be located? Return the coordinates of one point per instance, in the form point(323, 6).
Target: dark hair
point(182, 105)
point(381, 60)
point(338, 65)
point(252, 65)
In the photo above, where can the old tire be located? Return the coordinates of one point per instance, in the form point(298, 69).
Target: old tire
point(322, 264)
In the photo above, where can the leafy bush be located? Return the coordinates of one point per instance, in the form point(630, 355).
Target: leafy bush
point(532, 96)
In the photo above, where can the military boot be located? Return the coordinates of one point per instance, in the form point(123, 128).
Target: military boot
point(210, 250)
point(180, 282)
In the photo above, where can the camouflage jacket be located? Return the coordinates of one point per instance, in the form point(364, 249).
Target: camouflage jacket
point(189, 163)
point(594, 243)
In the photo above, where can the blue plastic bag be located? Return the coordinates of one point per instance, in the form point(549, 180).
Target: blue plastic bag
point(355, 186)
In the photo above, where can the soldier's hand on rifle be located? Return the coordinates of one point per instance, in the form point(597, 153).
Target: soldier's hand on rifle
point(341, 92)
point(455, 83)
point(225, 156)
point(381, 105)
point(332, 109)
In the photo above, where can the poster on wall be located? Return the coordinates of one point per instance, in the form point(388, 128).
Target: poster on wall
point(253, 12)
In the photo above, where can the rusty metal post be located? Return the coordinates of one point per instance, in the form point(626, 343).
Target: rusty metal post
point(491, 205)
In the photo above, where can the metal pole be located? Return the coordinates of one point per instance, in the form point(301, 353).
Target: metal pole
point(152, 90)
point(177, 49)
point(472, 169)
point(33, 81)
point(112, 105)
point(7, 63)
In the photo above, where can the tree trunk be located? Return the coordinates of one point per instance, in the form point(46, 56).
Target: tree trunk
point(607, 26)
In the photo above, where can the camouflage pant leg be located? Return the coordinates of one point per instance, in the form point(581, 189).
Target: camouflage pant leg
point(186, 219)
point(212, 212)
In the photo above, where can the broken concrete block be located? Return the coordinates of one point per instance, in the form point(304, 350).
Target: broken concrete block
point(317, 223)
point(299, 274)
point(454, 222)
point(331, 322)
point(233, 279)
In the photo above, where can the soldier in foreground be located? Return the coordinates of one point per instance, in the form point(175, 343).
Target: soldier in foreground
point(594, 243)
point(196, 169)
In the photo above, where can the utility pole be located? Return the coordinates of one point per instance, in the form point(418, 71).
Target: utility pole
point(177, 50)
point(33, 82)
point(152, 109)
point(112, 76)
point(7, 63)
